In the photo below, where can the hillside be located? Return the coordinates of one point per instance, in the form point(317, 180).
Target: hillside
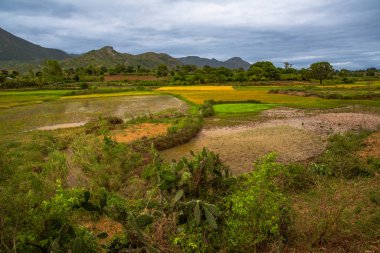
point(15, 49)
point(151, 60)
point(233, 63)
point(109, 57)
point(105, 56)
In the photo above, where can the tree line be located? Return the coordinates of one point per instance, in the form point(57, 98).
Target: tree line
point(52, 73)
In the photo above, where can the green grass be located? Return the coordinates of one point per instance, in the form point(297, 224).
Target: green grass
point(241, 108)
point(10, 99)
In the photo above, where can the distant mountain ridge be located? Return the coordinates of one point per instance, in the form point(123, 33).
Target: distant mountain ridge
point(107, 56)
point(13, 48)
point(232, 63)
point(19, 54)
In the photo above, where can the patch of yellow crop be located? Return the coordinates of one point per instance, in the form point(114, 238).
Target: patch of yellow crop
point(117, 94)
point(196, 88)
point(260, 94)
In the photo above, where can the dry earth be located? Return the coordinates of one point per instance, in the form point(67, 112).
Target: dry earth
point(136, 132)
point(295, 135)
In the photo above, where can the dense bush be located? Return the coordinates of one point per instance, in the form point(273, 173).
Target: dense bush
point(258, 211)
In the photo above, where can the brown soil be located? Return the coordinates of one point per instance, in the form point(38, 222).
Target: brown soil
point(104, 224)
point(372, 148)
point(136, 132)
point(295, 135)
point(130, 78)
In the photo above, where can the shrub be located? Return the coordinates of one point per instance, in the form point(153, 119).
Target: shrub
point(207, 109)
point(294, 178)
point(258, 211)
point(340, 159)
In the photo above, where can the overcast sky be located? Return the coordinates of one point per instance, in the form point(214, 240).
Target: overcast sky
point(343, 32)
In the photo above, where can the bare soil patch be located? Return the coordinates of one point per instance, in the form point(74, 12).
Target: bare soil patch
point(104, 224)
point(372, 146)
point(240, 147)
point(136, 132)
point(296, 135)
point(130, 78)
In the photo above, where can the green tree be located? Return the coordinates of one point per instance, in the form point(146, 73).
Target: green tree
point(321, 71)
point(269, 71)
point(51, 71)
point(371, 72)
point(162, 70)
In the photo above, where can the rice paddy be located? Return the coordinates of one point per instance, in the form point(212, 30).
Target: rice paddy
point(196, 88)
point(241, 108)
point(199, 94)
point(76, 112)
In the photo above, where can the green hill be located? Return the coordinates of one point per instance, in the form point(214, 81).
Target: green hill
point(109, 57)
point(15, 49)
point(233, 63)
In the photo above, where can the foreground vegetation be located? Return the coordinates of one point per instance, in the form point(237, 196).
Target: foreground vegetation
point(78, 190)
point(188, 205)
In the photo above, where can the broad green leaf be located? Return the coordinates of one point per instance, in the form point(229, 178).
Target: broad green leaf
point(210, 218)
point(178, 196)
point(169, 176)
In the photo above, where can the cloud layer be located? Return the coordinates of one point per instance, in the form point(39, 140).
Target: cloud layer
point(345, 33)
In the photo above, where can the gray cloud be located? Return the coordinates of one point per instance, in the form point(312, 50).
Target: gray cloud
point(343, 32)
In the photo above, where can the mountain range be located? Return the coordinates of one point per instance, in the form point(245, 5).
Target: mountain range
point(13, 48)
point(109, 57)
point(232, 63)
point(22, 55)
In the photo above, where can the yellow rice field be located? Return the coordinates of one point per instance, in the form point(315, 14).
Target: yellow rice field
point(199, 94)
point(196, 88)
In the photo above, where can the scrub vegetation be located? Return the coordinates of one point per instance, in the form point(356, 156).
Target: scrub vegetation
point(264, 160)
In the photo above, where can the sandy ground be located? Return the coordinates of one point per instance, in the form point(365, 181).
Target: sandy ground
point(295, 135)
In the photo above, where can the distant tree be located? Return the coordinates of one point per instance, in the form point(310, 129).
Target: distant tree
point(103, 70)
point(130, 69)
point(120, 68)
point(240, 76)
point(14, 73)
point(371, 72)
point(4, 72)
point(207, 69)
point(287, 65)
point(321, 71)
point(51, 71)
point(188, 69)
point(269, 71)
point(304, 74)
point(344, 73)
point(162, 70)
